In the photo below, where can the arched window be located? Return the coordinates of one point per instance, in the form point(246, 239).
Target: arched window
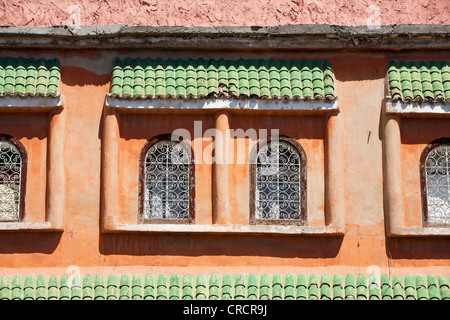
point(167, 189)
point(13, 165)
point(278, 182)
point(435, 183)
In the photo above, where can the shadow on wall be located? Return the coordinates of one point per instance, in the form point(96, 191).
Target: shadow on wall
point(409, 248)
point(369, 68)
point(229, 245)
point(21, 125)
point(423, 130)
point(29, 242)
point(78, 76)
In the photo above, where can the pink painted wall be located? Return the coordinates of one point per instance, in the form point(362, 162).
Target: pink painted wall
point(222, 12)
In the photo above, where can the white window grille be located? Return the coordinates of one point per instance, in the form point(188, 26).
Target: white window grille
point(167, 186)
point(278, 182)
point(437, 171)
point(10, 181)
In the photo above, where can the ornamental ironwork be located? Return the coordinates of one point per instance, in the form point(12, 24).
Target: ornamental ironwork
point(166, 190)
point(437, 171)
point(10, 181)
point(278, 182)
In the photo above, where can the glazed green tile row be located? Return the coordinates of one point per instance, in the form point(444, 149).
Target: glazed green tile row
point(198, 78)
point(419, 81)
point(29, 77)
point(225, 287)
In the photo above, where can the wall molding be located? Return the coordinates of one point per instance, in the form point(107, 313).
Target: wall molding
point(205, 104)
point(301, 36)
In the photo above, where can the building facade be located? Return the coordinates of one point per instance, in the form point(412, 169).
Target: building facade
point(292, 162)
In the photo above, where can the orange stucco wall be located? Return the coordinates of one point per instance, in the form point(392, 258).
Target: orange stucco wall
point(360, 86)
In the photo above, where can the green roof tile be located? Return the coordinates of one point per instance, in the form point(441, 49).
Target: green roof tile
point(28, 288)
point(419, 81)
point(302, 293)
point(252, 287)
point(325, 288)
point(239, 287)
point(136, 287)
point(75, 288)
point(421, 288)
point(277, 287)
point(29, 77)
point(149, 287)
point(226, 287)
point(313, 287)
point(373, 287)
point(41, 291)
point(16, 289)
point(361, 288)
point(124, 286)
point(444, 287)
point(53, 292)
point(87, 288)
point(99, 288)
point(289, 287)
point(386, 290)
point(4, 288)
point(215, 286)
point(433, 289)
point(64, 293)
point(187, 288)
point(264, 288)
point(410, 288)
point(337, 286)
point(200, 288)
point(111, 288)
point(200, 78)
point(174, 288)
point(349, 287)
point(398, 288)
point(161, 288)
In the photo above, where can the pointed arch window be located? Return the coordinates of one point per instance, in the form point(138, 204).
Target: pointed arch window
point(13, 166)
point(278, 182)
point(435, 183)
point(167, 188)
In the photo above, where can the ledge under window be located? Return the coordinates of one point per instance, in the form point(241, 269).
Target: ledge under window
point(29, 226)
point(228, 229)
point(419, 232)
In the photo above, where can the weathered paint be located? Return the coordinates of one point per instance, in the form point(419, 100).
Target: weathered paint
point(223, 13)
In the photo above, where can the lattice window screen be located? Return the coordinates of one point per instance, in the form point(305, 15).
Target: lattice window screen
point(437, 171)
point(10, 181)
point(278, 182)
point(166, 193)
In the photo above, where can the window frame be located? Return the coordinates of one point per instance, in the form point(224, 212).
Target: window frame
point(303, 183)
point(23, 175)
point(423, 180)
point(141, 198)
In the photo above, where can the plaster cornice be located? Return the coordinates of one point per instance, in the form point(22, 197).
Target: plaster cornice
point(314, 36)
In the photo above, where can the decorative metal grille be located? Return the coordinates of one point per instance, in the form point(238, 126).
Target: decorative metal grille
point(166, 194)
point(10, 181)
point(278, 182)
point(437, 170)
